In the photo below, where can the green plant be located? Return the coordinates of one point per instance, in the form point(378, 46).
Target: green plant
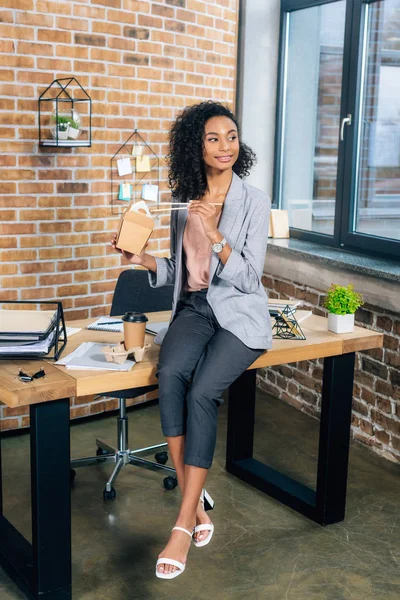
point(62, 122)
point(342, 300)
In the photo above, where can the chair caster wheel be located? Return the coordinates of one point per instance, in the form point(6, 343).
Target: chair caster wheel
point(100, 452)
point(170, 483)
point(72, 475)
point(109, 495)
point(161, 458)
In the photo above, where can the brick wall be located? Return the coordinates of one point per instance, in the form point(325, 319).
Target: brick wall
point(376, 399)
point(141, 62)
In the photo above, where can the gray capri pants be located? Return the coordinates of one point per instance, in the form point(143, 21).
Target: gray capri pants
point(198, 361)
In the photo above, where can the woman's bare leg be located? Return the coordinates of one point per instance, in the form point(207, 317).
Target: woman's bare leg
point(179, 543)
point(176, 447)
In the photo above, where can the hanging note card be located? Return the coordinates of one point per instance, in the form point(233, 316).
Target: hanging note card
point(150, 192)
point(137, 149)
point(125, 190)
point(143, 164)
point(124, 166)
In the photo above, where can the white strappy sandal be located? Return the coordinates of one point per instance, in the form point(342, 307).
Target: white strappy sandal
point(172, 561)
point(208, 503)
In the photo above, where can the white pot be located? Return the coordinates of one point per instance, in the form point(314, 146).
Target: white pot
point(340, 323)
point(63, 135)
point(73, 132)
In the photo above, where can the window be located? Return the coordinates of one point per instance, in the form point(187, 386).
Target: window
point(337, 155)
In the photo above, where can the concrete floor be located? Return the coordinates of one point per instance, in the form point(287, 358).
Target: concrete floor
point(261, 550)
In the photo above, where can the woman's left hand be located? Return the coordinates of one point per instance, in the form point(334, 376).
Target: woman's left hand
point(208, 214)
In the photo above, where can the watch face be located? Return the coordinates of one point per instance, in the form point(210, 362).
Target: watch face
point(217, 247)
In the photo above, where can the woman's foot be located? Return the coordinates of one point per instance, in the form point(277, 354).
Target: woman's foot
point(177, 548)
point(201, 519)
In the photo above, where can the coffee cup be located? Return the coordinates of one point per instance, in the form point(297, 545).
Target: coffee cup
point(134, 329)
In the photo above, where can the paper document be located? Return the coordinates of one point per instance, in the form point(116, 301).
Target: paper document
point(280, 303)
point(43, 346)
point(154, 327)
point(89, 356)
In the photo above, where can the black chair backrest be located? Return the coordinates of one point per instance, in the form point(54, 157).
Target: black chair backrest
point(133, 293)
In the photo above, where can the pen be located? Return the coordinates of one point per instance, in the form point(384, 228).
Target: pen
point(111, 323)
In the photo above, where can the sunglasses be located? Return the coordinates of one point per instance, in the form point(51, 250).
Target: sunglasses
point(25, 377)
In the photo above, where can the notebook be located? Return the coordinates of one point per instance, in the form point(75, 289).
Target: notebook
point(89, 356)
point(107, 324)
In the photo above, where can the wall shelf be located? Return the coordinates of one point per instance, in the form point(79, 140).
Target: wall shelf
point(65, 115)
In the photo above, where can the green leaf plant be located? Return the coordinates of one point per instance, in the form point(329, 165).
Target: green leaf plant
point(342, 300)
point(63, 121)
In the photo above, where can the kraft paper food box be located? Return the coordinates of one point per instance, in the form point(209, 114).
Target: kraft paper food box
point(134, 230)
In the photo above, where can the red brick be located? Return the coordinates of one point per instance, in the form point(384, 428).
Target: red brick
point(18, 282)
point(55, 253)
point(8, 424)
point(43, 293)
point(72, 265)
point(72, 290)
point(384, 323)
point(382, 436)
point(37, 267)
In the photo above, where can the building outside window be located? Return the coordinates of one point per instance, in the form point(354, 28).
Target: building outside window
point(337, 150)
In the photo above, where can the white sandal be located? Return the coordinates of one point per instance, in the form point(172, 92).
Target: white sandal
point(205, 498)
point(172, 561)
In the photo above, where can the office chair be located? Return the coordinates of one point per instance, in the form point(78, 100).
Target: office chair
point(132, 293)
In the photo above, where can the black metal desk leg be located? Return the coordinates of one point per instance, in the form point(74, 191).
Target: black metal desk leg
point(1, 482)
point(51, 501)
point(334, 440)
point(241, 413)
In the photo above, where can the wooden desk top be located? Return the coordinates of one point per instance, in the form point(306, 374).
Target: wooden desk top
point(61, 382)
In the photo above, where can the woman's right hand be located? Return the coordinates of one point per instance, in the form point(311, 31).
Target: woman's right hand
point(134, 259)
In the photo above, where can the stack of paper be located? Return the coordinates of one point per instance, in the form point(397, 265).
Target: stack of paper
point(89, 356)
point(26, 347)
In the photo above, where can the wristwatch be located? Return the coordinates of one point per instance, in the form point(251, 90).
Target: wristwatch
point(218, 246)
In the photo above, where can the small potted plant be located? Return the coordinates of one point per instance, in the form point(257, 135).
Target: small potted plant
point(341, 303)
point(66, 125)
point(74, 129)
point(62, 125)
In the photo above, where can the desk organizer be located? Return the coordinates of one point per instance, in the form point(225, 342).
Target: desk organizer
point(23, 341)
point(286, 326)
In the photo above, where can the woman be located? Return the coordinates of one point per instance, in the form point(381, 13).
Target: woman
point(220, 322)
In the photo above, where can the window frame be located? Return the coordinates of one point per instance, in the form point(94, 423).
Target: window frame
point(342, 237)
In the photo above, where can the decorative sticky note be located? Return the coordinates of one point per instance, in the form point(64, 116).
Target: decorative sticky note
point(150, 192)
point(125, 190)
point(137, 149)
point(143, 164)
point(124, 166)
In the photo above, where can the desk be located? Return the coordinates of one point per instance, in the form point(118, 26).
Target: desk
point(43, 569)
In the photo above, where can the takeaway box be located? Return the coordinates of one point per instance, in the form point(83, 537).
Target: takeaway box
point(134, 230)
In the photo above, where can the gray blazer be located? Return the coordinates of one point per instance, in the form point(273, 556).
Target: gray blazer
point(235, 292)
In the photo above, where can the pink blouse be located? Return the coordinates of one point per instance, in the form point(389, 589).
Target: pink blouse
point(197, 249)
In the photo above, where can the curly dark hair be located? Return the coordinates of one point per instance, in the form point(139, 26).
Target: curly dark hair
point(187, 173)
